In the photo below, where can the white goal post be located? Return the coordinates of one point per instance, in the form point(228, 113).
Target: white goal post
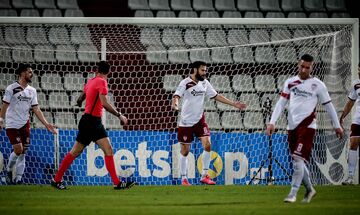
point(248, 60)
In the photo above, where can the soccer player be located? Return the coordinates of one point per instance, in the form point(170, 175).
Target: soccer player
point(302, 93)
point(92, 129)
point(193, 90)
point(355, 128)
point(19, 98)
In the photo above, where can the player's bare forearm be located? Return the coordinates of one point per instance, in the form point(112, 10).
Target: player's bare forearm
point(109, 107)
point(346, 110)
point(3, 110)
point(39, 114)
point(175, 102)
point(235, 104)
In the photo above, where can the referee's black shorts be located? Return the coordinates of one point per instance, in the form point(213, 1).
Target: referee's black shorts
point(90, 129)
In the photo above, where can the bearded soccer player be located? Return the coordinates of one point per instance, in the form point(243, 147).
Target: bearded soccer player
point(92, 129)
point(355, 128)
point(193, 90)
point(302, 93)
point(19, 98)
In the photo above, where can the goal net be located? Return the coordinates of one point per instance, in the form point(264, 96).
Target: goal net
point(248, 60)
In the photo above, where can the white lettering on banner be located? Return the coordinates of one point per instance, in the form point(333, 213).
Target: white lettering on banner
point(91, 156)
point(260, 175)
point(230, 173)
point(176, 162)
point(1, 161)
point(142, 154)
point(122, 158)
point(163, 164)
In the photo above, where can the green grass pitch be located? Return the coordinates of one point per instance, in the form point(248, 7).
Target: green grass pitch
point(172, 200)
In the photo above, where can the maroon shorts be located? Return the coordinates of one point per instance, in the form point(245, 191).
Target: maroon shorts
point(20, 136)
point(301, 141)
point(200, 129)
point(355, 130)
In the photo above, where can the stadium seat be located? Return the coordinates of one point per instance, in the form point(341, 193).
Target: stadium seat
point(159, 4)
point(264, 55)
point(221, 55)
point(251, 14)
point(48, 116)
point(296, 15)
point(52, 13)
point(252, 100)
point(247, 5)
point(209, 104)
point(80, 35)
point(172, 37)
point(194, 37)
point(314, 5)
point(275, 15)
point(8, 12)
point(67, 4)
point(22, 53)
point(279, 35)
point(65, 120)
point(243, 83)
point(5, 4)
point(45, 4)
point(215, 37)
point(6, 79)
point(171, 82)
point(65, 53)
point(237, 37)
point(29, 13)
point(73, 13)
point(42, 100)
point(231, 14)
point(335, 5)
point(164, 13)
point(222, 5)
point(150, 36)
point(291, 5)
point(181, 5)
point(232, 120)
point(224, 107)
point(36, 35)
point(286, 54)
point(318, 15)
point(74, 81)
point(5, 55)
point(200, 54)
point(59, 35)
point(178, 54)
point(156, 54)
point(203, 5)
point(209, 14)
point(269, 5)
point(15, 35)
point(58, 100)
point(51, 81)
point(213, 120)
point(340, 15)
point(253, 120)
point(44, 53)
point(138, 4)
point(187, 14)
point(21, 4)
point(265, 83)
point(243, 55)
point(259, 36)
point(144, 13)
point(35, 82)
point(281, 80)
point(221, 83)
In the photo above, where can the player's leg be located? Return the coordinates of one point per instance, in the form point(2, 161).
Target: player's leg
point(15, 140)
point(185, 138)
point(353, 154)
point(20, 162)
point(205, 178)
point(310, 191)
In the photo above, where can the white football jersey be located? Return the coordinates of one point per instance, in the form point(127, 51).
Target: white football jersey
point(193, 95)
point(303, 97)
point(20, 101)
point(354, 95)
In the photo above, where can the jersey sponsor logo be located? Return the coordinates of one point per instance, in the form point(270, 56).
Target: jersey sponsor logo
point(303, 93)
point(197, 93)
point(23, 98)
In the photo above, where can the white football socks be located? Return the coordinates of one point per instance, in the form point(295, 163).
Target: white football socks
point(20, 167)
point(183, 166)
point(297, 176)
point(352, 161)
point(206, 162)
point(306, 179)
point(12, 160)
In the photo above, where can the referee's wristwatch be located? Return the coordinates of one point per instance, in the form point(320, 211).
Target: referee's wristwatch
point(118, 114)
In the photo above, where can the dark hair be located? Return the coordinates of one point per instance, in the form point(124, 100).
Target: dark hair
point(22, 68)
point(307, 58)
point(196, 65)
point(103, 67)
point(359, 64)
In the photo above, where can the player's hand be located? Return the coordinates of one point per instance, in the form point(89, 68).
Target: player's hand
point(339, 132)
point(270, 129)
point(175, 106)
point(123, 119)
point(240, 105)
point(51, 128)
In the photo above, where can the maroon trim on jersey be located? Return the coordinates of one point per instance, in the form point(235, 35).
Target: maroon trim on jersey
point(285, 95)
point(293, 84)
point(308, 120)
point(190, 84)
point(6, 102)
point(351, 99)
point(34, 105)
point(356, 86)
point(214, 96)
point(17, 90)
point(326, 102)
point(176, 95)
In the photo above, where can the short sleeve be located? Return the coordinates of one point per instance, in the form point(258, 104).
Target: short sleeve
point(210, 91)
point(353, 95)
point(323, 94)
point(34, 101)
point(8, 94)
point(180, 89)
point(103, 88)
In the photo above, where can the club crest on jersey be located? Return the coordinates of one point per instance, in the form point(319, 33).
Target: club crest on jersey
point(313, 87)
point(18, 139)
point(185, 138)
